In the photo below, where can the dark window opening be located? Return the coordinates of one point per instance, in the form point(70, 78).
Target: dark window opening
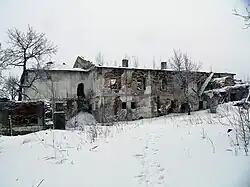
point(133, 105)
point(164, 84)
point(80, 90)
point(141, 84)
point(158, 105)
point(185, 107)
point(233, 96)
point(114, 84)
point(201, 105)
point(124, 105)
point(172, 107)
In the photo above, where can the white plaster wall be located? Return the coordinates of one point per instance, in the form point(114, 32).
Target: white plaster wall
point(64, 85)
point(98, 84)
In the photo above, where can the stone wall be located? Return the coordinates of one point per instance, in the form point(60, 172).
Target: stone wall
point(129, 94)
point(121, 94)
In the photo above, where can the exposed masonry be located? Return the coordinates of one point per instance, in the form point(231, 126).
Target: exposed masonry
point(122, 93)
point(129, 94)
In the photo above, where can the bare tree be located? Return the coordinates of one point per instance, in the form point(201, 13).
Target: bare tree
point(26, 50)
point(239, 119)
point(154, 63)
point(3, 66)
point(243, 127)
point(2, 59)
point(3, 62)
point(245, 16)
point(184, 77)
point(11, 86)
point(135, 61)
point(126, 56)
point(99, 59)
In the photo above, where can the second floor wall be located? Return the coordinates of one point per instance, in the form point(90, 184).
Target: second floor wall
point(136, 82)
point(59, 85)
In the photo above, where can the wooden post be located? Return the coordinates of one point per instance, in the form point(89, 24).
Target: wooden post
point(10, 120)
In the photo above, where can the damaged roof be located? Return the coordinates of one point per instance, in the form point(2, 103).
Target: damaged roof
point(80, 63)
point(227, 88)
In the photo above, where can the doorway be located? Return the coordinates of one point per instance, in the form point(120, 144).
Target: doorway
point(80, 91)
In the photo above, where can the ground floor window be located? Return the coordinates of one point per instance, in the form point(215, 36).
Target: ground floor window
point(133, 105)
point(124, 105)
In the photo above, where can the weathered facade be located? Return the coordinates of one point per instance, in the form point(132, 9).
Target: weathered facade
point(225, 89)
point(124, 93)
point(21, 117)
point(118, 93)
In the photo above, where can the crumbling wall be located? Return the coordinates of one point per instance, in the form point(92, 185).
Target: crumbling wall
point(119, 108)
point(121, 94)
point(112, 81)
point(128, 94)
point(164, 96)
point(25, 117)
point(82, 63)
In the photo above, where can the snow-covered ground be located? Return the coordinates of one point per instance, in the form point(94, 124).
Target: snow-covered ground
point(176, 151)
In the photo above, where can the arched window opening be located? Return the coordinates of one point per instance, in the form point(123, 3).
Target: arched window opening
point(80, 90)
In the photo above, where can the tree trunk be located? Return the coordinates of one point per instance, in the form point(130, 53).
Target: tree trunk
point(20, 95)
point(12, 95)
point(187, 99)
point(189, 109)
point(20, 90)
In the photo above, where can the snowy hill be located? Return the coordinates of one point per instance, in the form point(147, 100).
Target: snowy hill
point(176, 151)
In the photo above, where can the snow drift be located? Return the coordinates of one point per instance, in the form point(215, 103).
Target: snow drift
point(80, 120)
point(177, 151)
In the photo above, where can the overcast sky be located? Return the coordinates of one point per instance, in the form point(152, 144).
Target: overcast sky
point(205, 29)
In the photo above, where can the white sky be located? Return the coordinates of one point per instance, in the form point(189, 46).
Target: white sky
point(205, 29)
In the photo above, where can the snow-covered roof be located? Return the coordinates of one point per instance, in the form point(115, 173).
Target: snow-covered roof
point(227, 88)
point(155, 69)
point(65, 67)
point(51, 66)
point(61, 67)
point(132, 68)
point(220, 80)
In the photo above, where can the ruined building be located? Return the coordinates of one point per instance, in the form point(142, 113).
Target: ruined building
point(118, 93)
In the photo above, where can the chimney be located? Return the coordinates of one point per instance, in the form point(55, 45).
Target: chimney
point(163, 65)
point(49, 64)
point(124, 63)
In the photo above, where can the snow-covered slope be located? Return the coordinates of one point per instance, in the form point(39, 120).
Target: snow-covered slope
point(176, 151)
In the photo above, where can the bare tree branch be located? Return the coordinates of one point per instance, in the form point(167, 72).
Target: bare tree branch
point(10, 87)
point(135, 61)
point(27, 49)
point(185, 76)
point(3, 60)
point(99, 59)
point(246, 16)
